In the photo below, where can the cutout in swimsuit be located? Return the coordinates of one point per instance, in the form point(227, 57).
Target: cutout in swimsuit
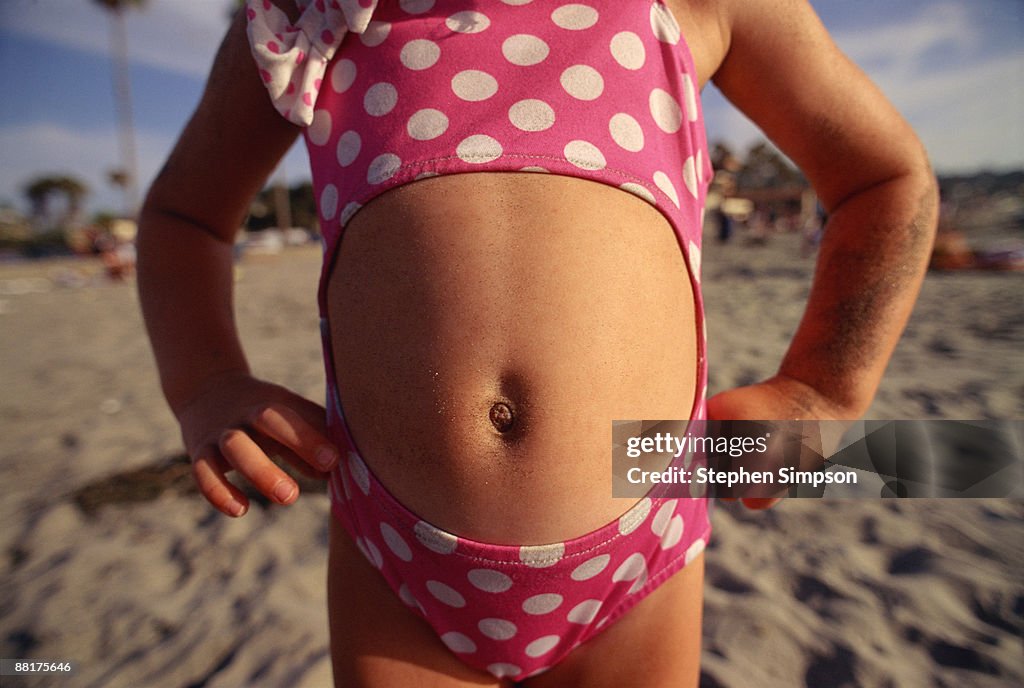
point(396, 91)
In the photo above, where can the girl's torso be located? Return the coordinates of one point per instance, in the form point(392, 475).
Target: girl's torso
point(486, 328)
point(564, 301)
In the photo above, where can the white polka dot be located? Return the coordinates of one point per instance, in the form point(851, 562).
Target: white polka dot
point(628, 50)
point(420, 54)
point(541, 556)
point(457, 642)
point(343, 73)
point(633, 567)
point(477, 149)
point(690, 176)
point(376, 33)
point(542, 646)
point(474, 85)
point(468, 21)
point(574, 17)
point(383, 168)
point(427, 124)
point(349, 145)
point(639, 583)
point(630, 520)
point(626, 132)
point(640, 191)
point(694, 550)
point(544, 603)
point(332, 485)
point(662, 181)
point(425, 175)
point(502, 669)
point(584, 155)
point(584, 612)
point(370, 551)
point(663, 24)
point(673, 533)
point(380, 99)
point(434, 539)
point(406, 596)
point(329, 203)
point(665, 111)
point(688, 456)
point(445, 593)
point(531, 115)
point(395, 542)
point(690, 98)
point(360, 473)
point(320, 128)
point(582, 82)
point(591, 567)
point(524, 50)
point(533, 168)
point(698, 489)
point(375, 555)
point(497, 629)
point(416, 6)
point(489, 581)
point(661, 519)
point(694, 253)
point(347, 212)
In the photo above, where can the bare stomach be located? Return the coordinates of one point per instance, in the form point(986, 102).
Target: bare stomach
point(486, 330)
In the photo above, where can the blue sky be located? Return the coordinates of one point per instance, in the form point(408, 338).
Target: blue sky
point(954, 68)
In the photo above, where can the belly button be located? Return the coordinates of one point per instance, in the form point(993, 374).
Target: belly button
point(502, 417)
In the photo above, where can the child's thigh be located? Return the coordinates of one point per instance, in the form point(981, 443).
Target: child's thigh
point(375, 639)
point(656, 644)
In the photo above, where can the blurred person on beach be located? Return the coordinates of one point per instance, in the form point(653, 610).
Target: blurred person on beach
point(484, 322)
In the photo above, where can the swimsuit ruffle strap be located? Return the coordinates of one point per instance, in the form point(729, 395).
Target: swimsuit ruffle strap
point(292, 58)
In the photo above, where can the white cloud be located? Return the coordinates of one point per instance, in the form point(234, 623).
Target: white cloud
point(901, 47)
point(44, 148)
point(178, 35)
point(970, 117)
point(967, 107)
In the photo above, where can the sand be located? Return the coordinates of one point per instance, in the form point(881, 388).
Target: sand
point(112, 560)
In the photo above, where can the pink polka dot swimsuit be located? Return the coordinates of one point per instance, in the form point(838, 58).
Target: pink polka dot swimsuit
point(395, 91)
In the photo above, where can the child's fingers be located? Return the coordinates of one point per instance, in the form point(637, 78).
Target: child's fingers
point(288, 427)
point(245, 456)
point(312, 413)
point(209, 471)
point(278, 452)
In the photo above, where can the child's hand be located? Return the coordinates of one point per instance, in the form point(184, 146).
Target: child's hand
point(778, 398)
point(237, 423)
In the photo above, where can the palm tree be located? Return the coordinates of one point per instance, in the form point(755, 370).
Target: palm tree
point(127, 176)
point(765, 168)
point(41, 190)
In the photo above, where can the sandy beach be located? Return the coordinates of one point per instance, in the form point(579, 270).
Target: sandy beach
point(112, 560)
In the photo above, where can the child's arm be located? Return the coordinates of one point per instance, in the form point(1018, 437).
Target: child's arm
point(229, 420)
point(871, 174)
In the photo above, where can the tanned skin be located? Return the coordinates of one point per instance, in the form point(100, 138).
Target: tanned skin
point(774, 60)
